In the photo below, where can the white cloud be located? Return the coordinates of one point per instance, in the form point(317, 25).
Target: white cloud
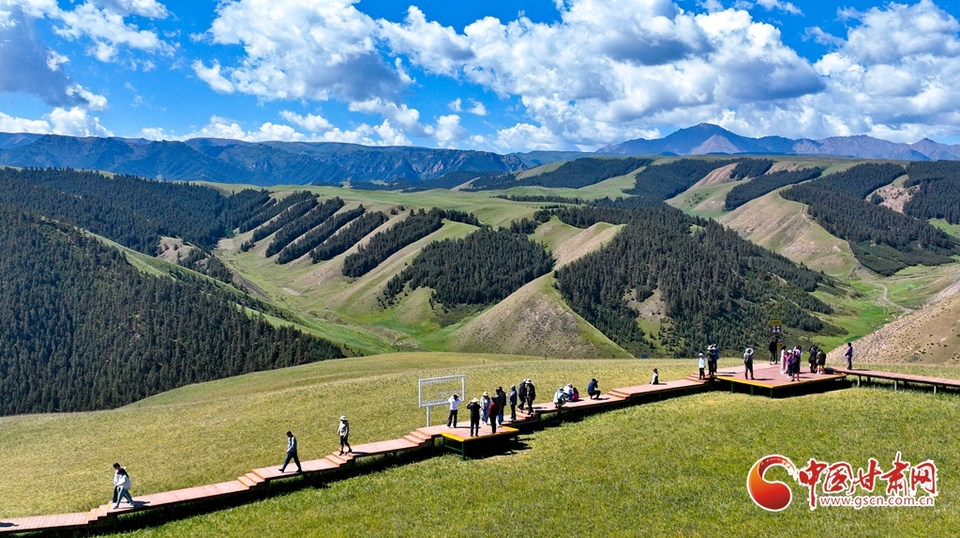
point(477, 108)
point(456, 105)
point(302, 49)
point(108, 30)
point(311, 122)
point(770, 5)
point(10, 124)
point(211, 75)
point(448, 131)
point(893, 75)
point(611, 68)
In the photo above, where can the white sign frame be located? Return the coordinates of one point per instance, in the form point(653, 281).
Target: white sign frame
point(441, 397)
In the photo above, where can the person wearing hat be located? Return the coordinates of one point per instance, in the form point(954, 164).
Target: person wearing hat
point(485, 407)
point(474, 407)
point(703, 364)
point(344, 432)
point(454, 404)
point(531, 396)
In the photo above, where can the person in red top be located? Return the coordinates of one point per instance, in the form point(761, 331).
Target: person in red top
point(494, 411)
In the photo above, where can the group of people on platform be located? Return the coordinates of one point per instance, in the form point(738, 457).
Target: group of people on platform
point(789, 360)
point(490, 410)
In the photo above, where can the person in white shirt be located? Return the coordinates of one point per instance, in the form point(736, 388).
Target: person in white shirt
point(454, 405)
point(121, 485)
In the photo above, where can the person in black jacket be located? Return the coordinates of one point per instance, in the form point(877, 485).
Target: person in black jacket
point(531, 396)
point(499, 398)
point(593, 389)
point(474, 407)
point(513, 403)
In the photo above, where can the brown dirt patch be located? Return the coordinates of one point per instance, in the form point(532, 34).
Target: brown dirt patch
point(895, 197)
point(720, 175)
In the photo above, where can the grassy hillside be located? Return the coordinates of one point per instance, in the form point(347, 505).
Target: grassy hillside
point(676, 467)
point(349, 310)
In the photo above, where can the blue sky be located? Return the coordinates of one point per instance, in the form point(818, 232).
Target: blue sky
point(495, 75)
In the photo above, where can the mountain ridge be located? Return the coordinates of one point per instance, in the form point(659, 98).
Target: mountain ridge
point(332, 163)
point(707, 138)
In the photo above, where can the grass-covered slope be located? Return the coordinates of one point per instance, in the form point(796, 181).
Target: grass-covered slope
point(676, 467)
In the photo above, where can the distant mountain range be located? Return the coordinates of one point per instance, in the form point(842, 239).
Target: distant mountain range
point(232, 161)
point(706, 139)
point(327, 163)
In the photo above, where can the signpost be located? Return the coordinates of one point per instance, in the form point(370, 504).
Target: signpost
point(435, 391)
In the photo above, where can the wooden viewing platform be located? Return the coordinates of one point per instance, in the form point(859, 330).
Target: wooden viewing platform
point(767, 378)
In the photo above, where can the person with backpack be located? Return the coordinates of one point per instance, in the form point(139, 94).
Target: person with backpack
point(121, 485)
point(821, 360)
point(748, 363)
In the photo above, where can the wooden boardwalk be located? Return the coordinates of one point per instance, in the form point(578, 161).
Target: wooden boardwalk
point(768, 377)
point(899, 378)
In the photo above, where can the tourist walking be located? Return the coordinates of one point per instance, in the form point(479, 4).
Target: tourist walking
point(454, 405)
point(494, 411)
point(343, 430)
point(713, 353)
point(513, 403)
point(474, 408)
point(772, 348)
point(291, 453)
point(593, 388)
point(748, 363)
point(121, 485)
point(702, 363)
point(848, 354)
point(821, 360)
point(813, 359)
point(785, 355)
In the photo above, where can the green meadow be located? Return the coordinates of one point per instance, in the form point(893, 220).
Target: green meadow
point(676, 467)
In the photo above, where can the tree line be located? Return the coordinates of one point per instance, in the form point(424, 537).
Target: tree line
point(416, 226)
point(273, 207)
point(760, 185)
point(350, 235)
point(937, 194)
point(664, 181)
point(82, 329)
point(750, 168)
point(318, 235)
point(573, 174)
point(132, 211)
point(883, 240)
point(715, 286)
point(311, 219)
point(482, 268)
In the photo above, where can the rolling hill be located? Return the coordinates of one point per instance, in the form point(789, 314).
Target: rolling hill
point(643, 311)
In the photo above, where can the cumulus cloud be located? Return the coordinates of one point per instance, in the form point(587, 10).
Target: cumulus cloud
point(609, 69)
point(301, 49)
point(74, 121)
point(893, 74)
point(311, 122)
